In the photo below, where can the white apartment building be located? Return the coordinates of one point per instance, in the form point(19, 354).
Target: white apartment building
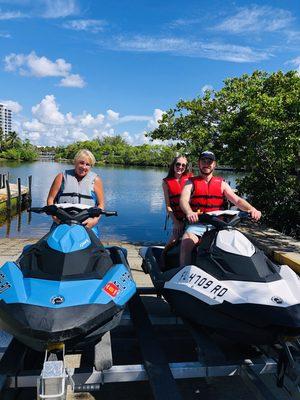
point(5, 119)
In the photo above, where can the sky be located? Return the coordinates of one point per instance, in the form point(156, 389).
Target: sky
point(73, 70)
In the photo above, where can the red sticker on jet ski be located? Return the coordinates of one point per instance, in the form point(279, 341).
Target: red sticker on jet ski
point(111, 289)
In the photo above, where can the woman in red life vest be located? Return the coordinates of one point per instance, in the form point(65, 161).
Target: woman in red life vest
point(172, 185)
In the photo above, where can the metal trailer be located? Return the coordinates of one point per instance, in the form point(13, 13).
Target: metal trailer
point(161, 336)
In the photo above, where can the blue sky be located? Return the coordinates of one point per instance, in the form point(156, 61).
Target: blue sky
point(72, 70)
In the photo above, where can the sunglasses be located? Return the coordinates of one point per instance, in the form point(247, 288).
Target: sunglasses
point(178, 164)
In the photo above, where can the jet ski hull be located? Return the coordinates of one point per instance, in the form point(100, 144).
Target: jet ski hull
point(245, 298)
point(37, 327)
point(243, 323)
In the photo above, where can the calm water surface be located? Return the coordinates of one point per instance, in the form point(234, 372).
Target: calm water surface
point(136, 194)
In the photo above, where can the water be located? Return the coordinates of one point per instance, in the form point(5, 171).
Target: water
point(136, 193)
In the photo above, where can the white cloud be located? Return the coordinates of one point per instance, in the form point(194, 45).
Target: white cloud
point(78, 135)
point(88, 120)
point(5, 35)
point(41, 67)
point(13, 62)
point(205, 88)
point(99, 133)
point(10, 15)
point(134, 118)
point(32, 136)
point(60, 8)
point(189, 48)
point(140, 138)
point(181, 22)
point(34, 125)
point(70, 119)
point(256, 19)
point(73, 80)
point(47, 111)
point(296, 63)
point(112, 115)
point(293, 36)
point(14, 106)
point(33, 65)
point(49, 126)
point(157, 116)
point(88, 25)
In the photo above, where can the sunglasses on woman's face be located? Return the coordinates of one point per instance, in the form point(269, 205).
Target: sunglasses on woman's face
point(178, 164)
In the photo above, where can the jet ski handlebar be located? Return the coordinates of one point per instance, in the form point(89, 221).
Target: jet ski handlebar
point(72, 213)
point(219, 223)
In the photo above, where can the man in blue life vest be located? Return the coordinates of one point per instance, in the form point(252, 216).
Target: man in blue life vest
point(204, 193)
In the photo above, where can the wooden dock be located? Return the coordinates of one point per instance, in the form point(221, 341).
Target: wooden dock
point(279, 247)
point(14, 197)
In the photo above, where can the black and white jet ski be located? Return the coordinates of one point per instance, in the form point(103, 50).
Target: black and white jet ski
point(231, 286)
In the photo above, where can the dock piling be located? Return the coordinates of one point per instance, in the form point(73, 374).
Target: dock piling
point(8, 201)
point(29, 189)
point(19, 198)
point(3, 181)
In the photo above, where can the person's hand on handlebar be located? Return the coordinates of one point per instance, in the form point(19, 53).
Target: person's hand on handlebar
point(55, 219)
point(255, 214)
point(91, 222)
point(192, 217)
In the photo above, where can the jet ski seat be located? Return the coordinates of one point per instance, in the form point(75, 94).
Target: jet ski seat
point(41, 261)
point(170, 259)
point(226, 265)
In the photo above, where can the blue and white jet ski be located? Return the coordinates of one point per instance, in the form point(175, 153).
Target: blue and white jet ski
point(231, 287)
point(66, 288)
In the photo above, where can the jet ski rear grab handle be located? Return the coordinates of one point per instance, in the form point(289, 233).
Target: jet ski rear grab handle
point(67, 215)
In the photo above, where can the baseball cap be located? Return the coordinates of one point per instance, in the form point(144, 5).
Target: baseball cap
point(207, 154)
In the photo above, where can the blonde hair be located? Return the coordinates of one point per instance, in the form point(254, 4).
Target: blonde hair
point(85, 153)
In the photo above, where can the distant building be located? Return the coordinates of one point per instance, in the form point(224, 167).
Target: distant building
point(5, 119)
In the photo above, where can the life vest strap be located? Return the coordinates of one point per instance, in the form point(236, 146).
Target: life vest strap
point(74, 194)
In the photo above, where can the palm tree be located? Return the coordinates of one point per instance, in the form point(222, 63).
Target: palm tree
point(12, 139)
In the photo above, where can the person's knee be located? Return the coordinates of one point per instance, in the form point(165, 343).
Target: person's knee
point(189, 240)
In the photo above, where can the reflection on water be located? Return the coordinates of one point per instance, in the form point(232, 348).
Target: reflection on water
point(136, 193)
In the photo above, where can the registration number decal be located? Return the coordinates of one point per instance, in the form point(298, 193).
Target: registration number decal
point(196, 281)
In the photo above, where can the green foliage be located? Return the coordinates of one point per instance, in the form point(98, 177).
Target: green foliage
point(115, 150)
point(11, 154)
point(252, 123)
point(12, 148)
point(28, 154)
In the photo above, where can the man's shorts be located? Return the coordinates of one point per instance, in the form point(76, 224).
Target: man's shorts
point(198, 229)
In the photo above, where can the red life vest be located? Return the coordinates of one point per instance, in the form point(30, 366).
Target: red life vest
point(207, 196)
point(175, 189)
